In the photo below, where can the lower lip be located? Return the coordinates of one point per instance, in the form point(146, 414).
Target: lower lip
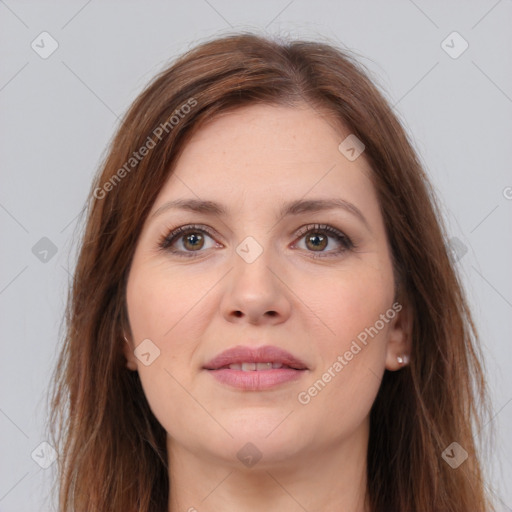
point(258, 379)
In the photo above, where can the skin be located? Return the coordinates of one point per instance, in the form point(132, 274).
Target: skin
point(253, 160)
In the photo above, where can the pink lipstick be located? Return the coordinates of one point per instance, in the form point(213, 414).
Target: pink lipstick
point(255, 369)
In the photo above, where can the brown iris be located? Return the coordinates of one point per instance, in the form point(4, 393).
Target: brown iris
point(319, 241)
point(196, 241)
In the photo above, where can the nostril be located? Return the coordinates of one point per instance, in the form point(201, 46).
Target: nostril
point(239, 314)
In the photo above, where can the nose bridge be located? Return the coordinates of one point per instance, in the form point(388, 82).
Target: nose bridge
point(252, 262)
point(255, 291)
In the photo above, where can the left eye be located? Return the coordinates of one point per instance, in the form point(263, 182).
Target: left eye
point(316, 237)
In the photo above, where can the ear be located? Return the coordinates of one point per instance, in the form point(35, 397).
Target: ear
point(131, 360)
point(400, 333)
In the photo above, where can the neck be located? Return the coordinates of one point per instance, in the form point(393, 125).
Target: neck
point(327, 478)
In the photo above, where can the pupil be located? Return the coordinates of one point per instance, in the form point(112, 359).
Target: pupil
point(318, 241)
point(192, 240)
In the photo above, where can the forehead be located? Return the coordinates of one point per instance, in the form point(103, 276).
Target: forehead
point(266, 151)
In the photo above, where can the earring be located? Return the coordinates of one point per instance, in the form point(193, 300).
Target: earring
point(403, 359)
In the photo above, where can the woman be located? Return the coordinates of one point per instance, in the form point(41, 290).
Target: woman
point(264, 314)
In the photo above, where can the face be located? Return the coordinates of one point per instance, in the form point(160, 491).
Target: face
point(274, 264)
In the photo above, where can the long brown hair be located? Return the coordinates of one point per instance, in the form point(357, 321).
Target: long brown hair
point(112, 450)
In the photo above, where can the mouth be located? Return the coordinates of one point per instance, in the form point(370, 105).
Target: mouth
point(255, 369)
point(252, 367)
point(262, 358)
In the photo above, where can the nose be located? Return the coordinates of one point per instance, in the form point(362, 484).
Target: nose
point(255, 293)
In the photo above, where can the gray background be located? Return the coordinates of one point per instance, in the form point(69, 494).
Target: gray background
point(59, 113)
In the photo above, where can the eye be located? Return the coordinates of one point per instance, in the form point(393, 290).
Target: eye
point(188, 239)
point(317, 237)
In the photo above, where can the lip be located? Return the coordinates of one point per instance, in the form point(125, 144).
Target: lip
point(255, 380)
point(264, 354)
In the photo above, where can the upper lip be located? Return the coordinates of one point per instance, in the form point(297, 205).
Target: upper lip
point(263, 354)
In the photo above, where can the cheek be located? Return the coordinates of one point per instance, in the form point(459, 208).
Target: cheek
point(170, 310)
point(160, 306)
point(352, 350)
point(347, 303)
point(162, 310)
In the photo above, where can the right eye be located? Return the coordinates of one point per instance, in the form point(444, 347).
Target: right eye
point(186, 240)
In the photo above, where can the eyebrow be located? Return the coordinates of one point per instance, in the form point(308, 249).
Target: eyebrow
point(296, 207)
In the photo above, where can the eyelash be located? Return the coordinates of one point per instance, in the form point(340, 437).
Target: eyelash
point(347, 244)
